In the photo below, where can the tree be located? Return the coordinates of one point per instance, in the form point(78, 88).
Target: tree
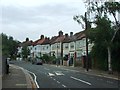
point(104, 33)
point(9, 46)
point(25, 52)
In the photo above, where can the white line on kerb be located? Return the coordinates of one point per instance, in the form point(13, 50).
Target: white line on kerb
point(81, 80)
point(33, 75)
point(34, 78)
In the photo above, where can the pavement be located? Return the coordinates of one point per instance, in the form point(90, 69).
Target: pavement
point(18, 78)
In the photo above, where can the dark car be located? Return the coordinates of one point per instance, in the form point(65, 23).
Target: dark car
point(37, 62)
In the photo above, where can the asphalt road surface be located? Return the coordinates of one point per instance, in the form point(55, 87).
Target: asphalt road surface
point(51, 76)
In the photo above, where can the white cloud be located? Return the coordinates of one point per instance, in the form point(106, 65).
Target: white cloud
point(32, 3)
point(31, 18)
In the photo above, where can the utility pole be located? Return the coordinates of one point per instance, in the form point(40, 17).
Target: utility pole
point(86, 28)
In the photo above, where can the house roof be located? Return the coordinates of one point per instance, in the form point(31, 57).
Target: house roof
point(53, 39)
point(46, 41)
point(35, 42)
point(66, 39)
point(26, 43)
point(80, 35)
point(59, 39)
point(38, 42)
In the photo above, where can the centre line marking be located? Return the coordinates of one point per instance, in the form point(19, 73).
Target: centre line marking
point(58, 82)
point(63, 85)
point(81, 80)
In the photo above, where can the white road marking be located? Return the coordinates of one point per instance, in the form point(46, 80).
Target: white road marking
point(58, 82)
point(89, 73)
point(59, 73)
point(33, 75)
point(63, 85)
point(81, 80)
point(51, 74)
point(34, 78)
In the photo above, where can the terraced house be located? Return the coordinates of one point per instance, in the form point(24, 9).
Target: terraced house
point(27, 43)
point(37, 47)
point(45, 47)
point(71, 46)
point(81, 48)
point(68, 48)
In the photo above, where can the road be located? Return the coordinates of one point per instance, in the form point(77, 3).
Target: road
point(50, 76)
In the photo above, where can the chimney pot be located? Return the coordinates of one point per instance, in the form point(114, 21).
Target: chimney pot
point(60, 33)
point(42, 36)
point(66, 35)
point(71, 33)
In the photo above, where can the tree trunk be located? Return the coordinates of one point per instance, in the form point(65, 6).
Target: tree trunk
point(109, 61)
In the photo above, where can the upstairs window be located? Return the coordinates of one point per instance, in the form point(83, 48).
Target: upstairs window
point(66, 47)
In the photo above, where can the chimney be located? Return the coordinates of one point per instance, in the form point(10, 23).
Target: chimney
point(27, 39)
point(60, 33)
point(42, 37)
point(66, 35)
point(45, 37)
point(71, 34)
point(48, 38)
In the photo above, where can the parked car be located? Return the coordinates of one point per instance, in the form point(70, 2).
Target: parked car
point(37, 62)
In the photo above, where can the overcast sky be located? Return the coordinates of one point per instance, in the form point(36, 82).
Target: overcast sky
point(31, 18)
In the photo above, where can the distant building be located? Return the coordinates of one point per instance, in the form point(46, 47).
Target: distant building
point(69, 48)
point(37, 48)
point(57, 46)
point(72, 46)
point(53, 45)
point(21, 45)
point(45, 47)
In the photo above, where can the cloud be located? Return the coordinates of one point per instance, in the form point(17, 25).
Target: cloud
point(47, 18)
point(34, 3)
